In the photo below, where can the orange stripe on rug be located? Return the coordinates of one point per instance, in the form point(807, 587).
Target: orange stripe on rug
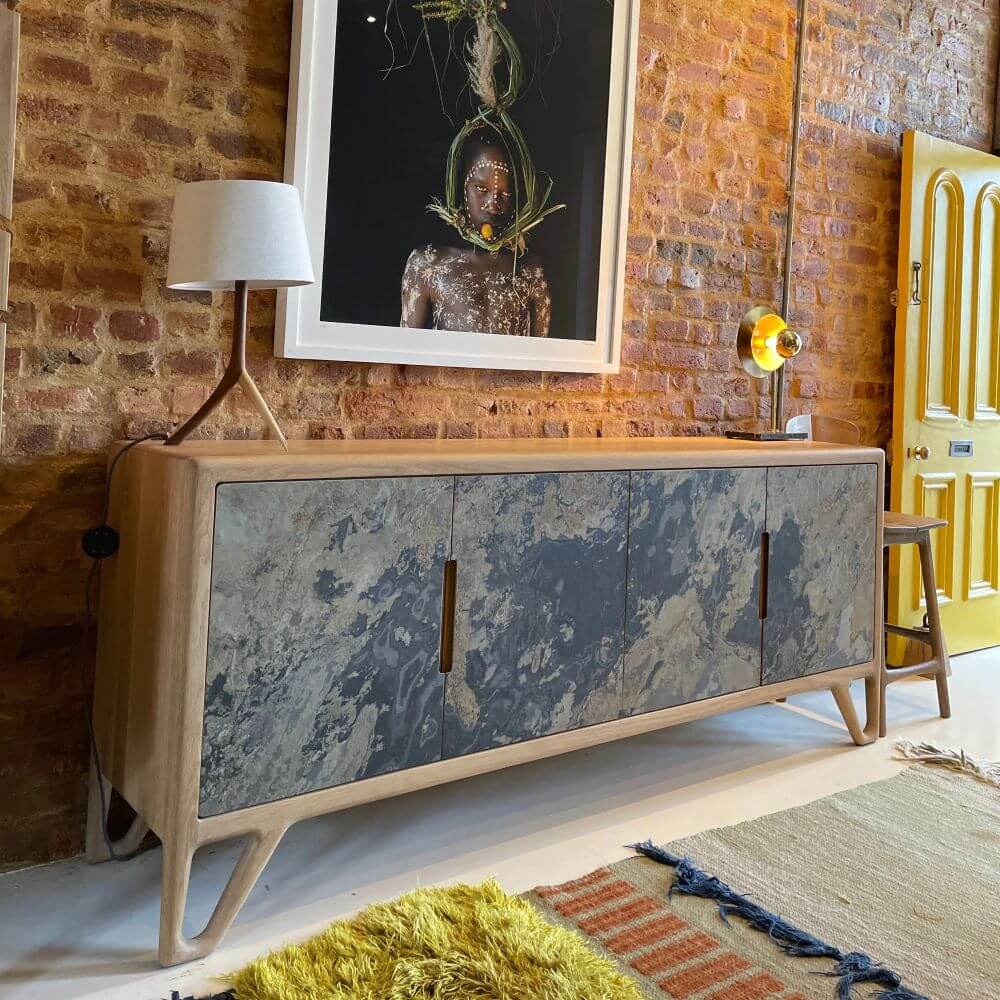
point(593, 878)
point(701, 977)
point(758, 987)
point(677, 953)
point(598, 897)
point(645, 934)
point(642, 907)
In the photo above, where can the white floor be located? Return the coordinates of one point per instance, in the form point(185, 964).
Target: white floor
point(70, 930)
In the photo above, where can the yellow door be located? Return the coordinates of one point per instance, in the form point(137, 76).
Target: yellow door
point(946, 411)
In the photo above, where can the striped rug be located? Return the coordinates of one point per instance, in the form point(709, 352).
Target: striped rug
point(905, 872)
point(670, 955)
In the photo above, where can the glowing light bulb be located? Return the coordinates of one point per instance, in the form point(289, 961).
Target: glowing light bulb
point(765, 343)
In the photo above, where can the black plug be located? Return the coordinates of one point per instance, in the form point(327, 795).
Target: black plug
point(100, 542)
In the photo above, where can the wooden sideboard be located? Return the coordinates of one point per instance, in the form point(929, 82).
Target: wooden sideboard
point(285, 635)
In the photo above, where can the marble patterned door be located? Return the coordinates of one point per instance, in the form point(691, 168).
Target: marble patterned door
point(821, 593)
point(324, 631)
point(540, 606)
point(693, 626)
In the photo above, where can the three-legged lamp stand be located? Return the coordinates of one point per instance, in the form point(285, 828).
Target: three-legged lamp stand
point(236, 374)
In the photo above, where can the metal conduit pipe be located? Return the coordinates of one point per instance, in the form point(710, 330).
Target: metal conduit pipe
point(778, 377)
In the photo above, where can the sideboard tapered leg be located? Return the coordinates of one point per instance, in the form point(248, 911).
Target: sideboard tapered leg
point(177, 855)
point(97, 815)
point(842, 696)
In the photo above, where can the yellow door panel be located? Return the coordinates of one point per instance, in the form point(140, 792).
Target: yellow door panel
point(946, 403)
point(982, 537)
point(941, 316)
point(936, 498)
point(984, 383)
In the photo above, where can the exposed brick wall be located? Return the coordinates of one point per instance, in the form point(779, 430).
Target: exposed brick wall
point(121, 98)
point(874, 71)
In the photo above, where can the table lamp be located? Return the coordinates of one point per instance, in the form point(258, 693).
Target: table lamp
point(237, 235)
point(764, 343)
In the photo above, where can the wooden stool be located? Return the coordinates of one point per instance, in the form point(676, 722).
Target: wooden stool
point(909, 529)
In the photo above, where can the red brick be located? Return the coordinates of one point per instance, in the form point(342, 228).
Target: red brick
point(211, 66)
point(194, 362)
point(21, 317)
point(48, 110)
point(162, 132)
point(63, 398)
point(128, 162)
point(35, 439)
point(114, 283)
point(78, 322)
point(138, 47)
point(239, 146)
point(140, 363)
point(69, 156)
point(62, 70)
point(53, 27)
point(40, 276)
point(138, 327)
point(164, 13)
point(141, 85)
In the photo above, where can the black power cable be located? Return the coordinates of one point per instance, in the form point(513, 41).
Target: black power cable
point(99, 543)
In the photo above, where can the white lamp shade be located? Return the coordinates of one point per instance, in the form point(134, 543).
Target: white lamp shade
point(229, 231)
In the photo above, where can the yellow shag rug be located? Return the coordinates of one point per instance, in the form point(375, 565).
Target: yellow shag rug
point(459, 943)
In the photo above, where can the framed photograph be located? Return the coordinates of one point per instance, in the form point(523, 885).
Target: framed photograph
point(464, 167)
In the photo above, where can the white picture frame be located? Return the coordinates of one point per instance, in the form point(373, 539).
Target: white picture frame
point(301, 333)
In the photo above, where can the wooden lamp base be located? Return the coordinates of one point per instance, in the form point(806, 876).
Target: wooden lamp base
point(236, 374)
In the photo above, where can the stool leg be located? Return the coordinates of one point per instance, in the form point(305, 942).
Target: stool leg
point(883, 677)
point(938, 647)
point(883, 683)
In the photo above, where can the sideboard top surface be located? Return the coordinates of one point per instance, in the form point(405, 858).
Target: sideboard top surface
point(223, 461)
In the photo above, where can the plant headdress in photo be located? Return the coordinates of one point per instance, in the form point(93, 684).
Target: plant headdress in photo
point(491, 46)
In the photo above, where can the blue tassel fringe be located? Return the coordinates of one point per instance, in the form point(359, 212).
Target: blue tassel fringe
point(851, 968)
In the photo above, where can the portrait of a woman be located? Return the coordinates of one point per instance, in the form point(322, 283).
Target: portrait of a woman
point(465, 192)
point(470, 289)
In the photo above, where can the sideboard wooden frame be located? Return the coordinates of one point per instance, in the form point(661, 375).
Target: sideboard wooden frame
point(154, 624)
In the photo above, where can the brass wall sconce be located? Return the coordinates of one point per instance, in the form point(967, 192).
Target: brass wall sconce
point(764, 343)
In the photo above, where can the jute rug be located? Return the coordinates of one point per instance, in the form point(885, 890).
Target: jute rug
point(905, 871)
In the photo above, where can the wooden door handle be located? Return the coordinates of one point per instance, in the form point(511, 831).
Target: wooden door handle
point(765, 558)
point(447, 652)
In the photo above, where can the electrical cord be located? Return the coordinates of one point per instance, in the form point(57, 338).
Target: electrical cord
point(99, 543)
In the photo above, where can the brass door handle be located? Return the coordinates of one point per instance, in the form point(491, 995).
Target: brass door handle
point(921, 453)
point(915, 299)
